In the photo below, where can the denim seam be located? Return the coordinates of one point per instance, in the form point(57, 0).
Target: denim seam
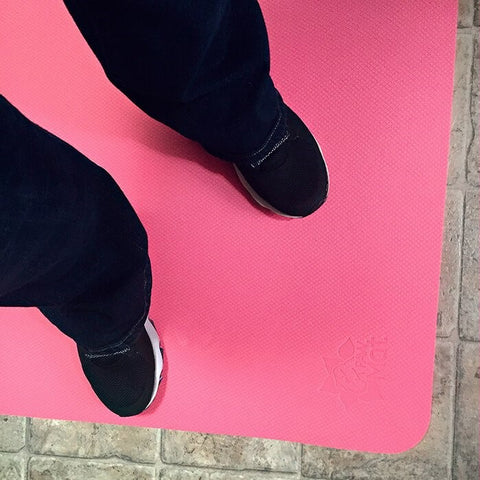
point(259, 162)
point(129, 334)
point(272, 133)
point(100, 355)
point(244, 158)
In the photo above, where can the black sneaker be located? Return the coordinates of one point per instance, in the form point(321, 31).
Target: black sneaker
point(293, 180)
point(127, 382)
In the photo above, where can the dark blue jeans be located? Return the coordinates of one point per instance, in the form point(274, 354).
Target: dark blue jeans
point(70, 242)
point(199, 66)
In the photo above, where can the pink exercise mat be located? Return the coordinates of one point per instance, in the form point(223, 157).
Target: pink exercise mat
point(320, 330)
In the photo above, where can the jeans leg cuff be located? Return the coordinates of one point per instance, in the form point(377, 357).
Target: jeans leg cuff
point(124, 345)
point(275, 138)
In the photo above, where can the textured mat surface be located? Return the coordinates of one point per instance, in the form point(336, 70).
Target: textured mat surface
point(321, 330)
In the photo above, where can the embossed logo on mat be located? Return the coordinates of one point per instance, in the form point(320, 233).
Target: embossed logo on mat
point(357, 372)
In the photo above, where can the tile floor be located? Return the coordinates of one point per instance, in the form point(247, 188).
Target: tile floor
point(55, 450)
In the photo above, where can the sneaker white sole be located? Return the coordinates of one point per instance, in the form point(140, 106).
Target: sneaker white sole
point(157, 353)
point(261, 201)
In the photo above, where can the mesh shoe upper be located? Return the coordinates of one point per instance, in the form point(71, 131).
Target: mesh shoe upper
point(124, 382)
point(293, 179)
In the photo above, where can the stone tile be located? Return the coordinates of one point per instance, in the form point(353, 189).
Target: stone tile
point(196, 474)
point(429, 460)
point(465, 463)
point(475, 15)
point(12, 433)
point(447, 318)
point(63, 469)
point(469, 312)
point(12, 467)
point(91, 440)
point(472, 149)
point(465, 13)
point(236, 453)
point(460, 131)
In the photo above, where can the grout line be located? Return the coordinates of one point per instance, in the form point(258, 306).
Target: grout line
point(472, 139)
point(302, 451)
point(452, 422)
point(265, 474)
point(28, 436)
point(454, 429)
point(469, 341)
point(462, 251)
point(100, 460)
point(468, 29)
point(456, 329)
point(457, 280)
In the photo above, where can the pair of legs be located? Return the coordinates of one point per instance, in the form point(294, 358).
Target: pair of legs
point(71, 243)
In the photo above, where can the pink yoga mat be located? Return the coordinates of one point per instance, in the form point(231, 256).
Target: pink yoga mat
point(320, 330)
